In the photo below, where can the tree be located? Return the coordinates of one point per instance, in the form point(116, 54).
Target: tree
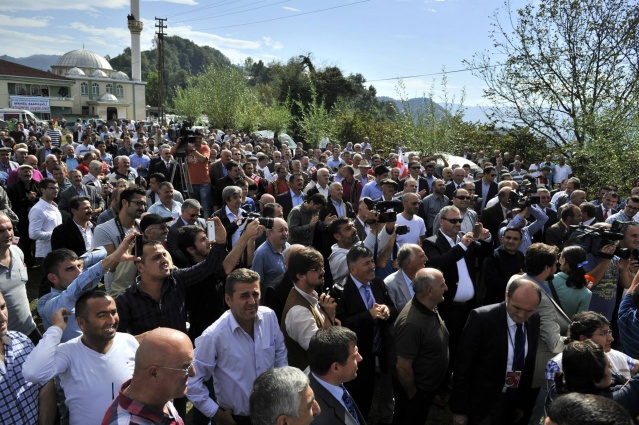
point(187, 101)
point(224, 93)
point(316, 120)
point(571, 68)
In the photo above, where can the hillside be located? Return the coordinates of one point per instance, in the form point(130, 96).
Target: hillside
point(42, 62)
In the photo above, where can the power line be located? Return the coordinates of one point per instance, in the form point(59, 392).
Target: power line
point(435, 73)
point(235, 13)
point(220, 3)
point(283, 17)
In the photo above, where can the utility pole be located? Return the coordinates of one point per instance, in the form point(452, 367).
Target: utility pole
point(160, 25)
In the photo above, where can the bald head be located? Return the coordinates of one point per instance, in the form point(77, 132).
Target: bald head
point(267, 199)
point(159, 346)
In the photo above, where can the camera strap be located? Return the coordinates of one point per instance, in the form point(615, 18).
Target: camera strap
point(554, 294)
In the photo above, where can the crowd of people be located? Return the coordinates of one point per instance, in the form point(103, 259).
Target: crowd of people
point(271, 284)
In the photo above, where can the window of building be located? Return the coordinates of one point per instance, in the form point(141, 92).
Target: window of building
point(119, 90)
point(109, 88)
point(35, 90)
point(84, 89)
point(96, 89)
point(21, 89)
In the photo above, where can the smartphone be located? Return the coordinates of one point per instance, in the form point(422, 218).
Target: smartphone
point(137, 248)
point(210, 230)
point(476, 231)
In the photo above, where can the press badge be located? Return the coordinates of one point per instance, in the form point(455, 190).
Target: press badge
point(513, 378)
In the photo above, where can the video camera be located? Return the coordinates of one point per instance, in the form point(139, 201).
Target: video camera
point(186, 136)
point(592, 239)
point(267, 222)
point(387, 210)
point(525, 196)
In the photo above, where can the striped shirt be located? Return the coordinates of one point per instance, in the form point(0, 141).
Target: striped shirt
point(126, 411)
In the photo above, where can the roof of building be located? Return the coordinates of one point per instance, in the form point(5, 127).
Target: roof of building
point(17, 70)
point(83, 58)
point(75, 71)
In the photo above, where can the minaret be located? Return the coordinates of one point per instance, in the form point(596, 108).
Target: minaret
point(135, 26)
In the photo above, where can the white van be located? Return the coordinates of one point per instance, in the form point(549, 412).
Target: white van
point(7, 114)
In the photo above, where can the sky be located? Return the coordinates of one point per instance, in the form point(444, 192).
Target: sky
point(380, 39)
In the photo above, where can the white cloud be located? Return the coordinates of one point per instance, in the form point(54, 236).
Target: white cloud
point(431, 10)
point(292, 9)
point(35, 22)
point(30, 43)
point(66, 5)
point(187, 2)
point(106, 37)
point(275, 45)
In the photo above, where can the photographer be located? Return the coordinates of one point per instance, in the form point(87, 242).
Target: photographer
point(197, 157)
point(528, 228)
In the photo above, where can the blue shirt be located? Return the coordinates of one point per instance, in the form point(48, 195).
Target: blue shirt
point(234, 360)
point(143, 160)
point(297, 199)
point(268, 263)
point(629, 326)
point(372, 190)
point(57, 299)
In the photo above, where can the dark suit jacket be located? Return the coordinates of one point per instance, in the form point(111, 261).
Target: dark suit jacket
point(216, 171)
point(451, 187)
point(332, 410)
point(90, 192)
point(67, 235)
point(159, 166)
point(552, 219)
point(444, 258)
point(178, 257)
point(286, 201)
point(353, 314)
point(492, 191)
point(482, 357)
point(491, 218)
point(599, 214)
point(230, 227)
point(361, 231)
point(422, 184)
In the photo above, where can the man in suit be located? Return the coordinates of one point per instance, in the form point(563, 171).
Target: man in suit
point(76, 233)
point(541, 261)
point(455, 255)
point(492, 217)
point(496, 360)
point(456, 183)
point(168, 167)
point(44, 151)
point(486, 187)
point(333, 357)
point(608, 207)
point(366, 308)
point(294, 196)
point(283, 386)
point(410, 259)
point(218, 171)
point(414, 171)
point(79, 189)
point(544, 204)
point(190, 217)
point(230, 214)
point(422, 350)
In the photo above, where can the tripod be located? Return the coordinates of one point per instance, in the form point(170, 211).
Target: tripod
point(185, 176)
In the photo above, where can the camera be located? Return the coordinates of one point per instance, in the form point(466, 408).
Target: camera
point(592, 239)
point(387, 210)
point(402, 230)
point(267, 222)
point(525, 196)
point(335, 291)
point(186, 136)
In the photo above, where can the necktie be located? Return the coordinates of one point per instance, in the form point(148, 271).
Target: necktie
point(519, 356)
point(377, 333)
point(350, 405)
point(605, 214)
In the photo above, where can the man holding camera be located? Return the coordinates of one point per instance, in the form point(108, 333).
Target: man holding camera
point(408, 218)
point(197, 158)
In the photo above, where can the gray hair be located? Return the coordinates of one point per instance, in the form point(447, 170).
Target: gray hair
point(229, 192)
point(448, 208)
point(405, 253)
point(164, 184)
point(424, 280)
point(191, 203)
point(277, 392)
point(95, 165)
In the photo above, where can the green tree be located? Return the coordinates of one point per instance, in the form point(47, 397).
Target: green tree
point(316, 121)
point(570, 69)
point(223, 93)
point(187, 101)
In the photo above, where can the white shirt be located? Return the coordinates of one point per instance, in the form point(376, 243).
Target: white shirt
point(160, 209)
point(512, 330)
point(561, 173)
point(90, 380)
point(300, 322)
point(417, 230)
point(235, 236)
point(43, 218)
point(234, 359)
point(465, 288)
point(87, 235)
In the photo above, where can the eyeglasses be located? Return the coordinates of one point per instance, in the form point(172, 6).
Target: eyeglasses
point(317, 269)
point(605, 333)
point(185, 371)
point(138, 203)
point(194, 215)
point(462, 197)
point(493, 175)
point(415, 168)
point(453, 220)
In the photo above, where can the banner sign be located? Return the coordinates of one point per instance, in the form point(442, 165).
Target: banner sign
point(30, 103)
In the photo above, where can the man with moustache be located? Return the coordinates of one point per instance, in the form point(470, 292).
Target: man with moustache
point(507, 260)
point(245, 331)
point(461, 199)
point(163, 363)
point(76, 233)
point(305, 311)
point(79, 189)
point(268, 260)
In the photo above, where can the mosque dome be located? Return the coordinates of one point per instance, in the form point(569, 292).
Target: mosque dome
point(83, 58)
point(75, 72)
point(108, 97)
point(119, 75)
point(98, 73)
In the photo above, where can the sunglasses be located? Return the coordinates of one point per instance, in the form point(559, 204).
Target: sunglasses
point(463, 198)
point(453, 220)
